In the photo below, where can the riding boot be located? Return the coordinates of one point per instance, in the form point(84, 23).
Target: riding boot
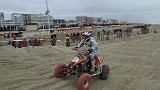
point(92, 67)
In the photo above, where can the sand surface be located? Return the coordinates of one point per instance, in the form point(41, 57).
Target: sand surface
point(134, 65)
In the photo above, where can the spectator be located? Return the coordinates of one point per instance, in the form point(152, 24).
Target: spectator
point(107, 34)
point(8, 35)
point(67, 41)
point(1, 29)
point(53, 40)
point(14, 37)
point(103, 31)
point(98, 35)
point(24, 43)
point(76, 37)
point(69, 34)
point(108, 31)
point(79, 37)
point(19, 44)
point(4, 28)
point(31, 42)
point(73, 37)
point(54, 35)
point(4, 35)
point(40, 42)
point(51, 36)
point(36, 43)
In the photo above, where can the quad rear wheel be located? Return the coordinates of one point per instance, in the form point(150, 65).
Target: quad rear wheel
point(105, 72)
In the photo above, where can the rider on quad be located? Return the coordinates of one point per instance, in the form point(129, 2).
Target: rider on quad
point(89, 41)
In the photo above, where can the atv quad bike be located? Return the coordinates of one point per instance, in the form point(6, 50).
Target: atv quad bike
point(80, 67)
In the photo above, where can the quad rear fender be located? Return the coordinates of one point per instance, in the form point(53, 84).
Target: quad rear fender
point(99, 61)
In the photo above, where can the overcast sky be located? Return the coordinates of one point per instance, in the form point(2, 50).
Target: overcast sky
point(147, 11)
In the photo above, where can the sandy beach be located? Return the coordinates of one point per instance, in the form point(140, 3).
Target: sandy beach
point(134, 65)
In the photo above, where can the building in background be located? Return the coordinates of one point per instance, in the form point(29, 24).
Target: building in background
point(123, 22)
point(84, 20)
point(89, 20)
point(81, 20)
point(97, 21)
point(40, 19)
point(10, 23)
point(104, 22)
point(63, 23)
point(26, 18)
point(58, 22)
point(2, 19)
point(21, 20)
point(112, 21)
point(71, 23)
point(18, 19)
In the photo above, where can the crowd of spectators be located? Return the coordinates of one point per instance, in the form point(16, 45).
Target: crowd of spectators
point(12, 28)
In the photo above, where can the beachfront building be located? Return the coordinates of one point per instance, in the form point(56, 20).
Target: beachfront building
point(84, 20)
point(2, 19)
point(112, 21)
point(59, 22)
point(123, 22)
point(18, 19)
point(81, 20)
point(63, 23)
point(40, 19)
point(70, 22)
point(9, 23)
point(97, 21)
point(89, 20)
point(26, 18)
point(104, 22)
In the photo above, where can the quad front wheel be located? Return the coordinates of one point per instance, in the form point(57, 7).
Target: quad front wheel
point(60, 71)
point(84, 82)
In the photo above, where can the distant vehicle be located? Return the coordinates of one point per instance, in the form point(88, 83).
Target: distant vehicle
point(56, 26)
point(144, 29)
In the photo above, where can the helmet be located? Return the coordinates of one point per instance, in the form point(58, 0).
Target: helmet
point(88, 34)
